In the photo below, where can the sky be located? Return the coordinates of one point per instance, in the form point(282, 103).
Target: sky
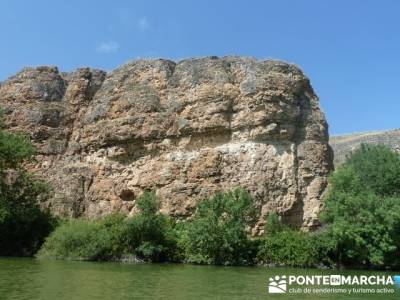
point(350, 49)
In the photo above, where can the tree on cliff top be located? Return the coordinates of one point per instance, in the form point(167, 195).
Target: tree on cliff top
point(23, 226)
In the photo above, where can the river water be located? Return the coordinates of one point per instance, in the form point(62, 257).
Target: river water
point(58, 280)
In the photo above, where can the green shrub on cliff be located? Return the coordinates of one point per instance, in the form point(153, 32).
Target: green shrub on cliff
point(23, 225)
point(218, 232)
point(362, 208)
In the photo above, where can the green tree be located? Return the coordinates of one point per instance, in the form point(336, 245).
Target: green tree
point(273, 224)
point(150, 233)
point(23, 226)
point(218, 233)
point(362, 208)
point(376, 168)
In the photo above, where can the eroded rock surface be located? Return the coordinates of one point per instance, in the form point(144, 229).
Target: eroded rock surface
point(184, 129)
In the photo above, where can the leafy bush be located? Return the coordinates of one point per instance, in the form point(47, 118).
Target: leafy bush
point(362, 208)
point(375, 168)
point(23, 225)
point(289, 248)
point(150, 233)
point(282, 245)
point(365, 228)
point(14, 150)
point(273, 224)
point(217, 234)
point(103, 239)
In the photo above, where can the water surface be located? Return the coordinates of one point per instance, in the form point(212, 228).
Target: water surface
point(57, 280)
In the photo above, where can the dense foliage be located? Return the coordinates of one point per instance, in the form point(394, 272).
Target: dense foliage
point(103, 239)
point(286, 246)
point(289, 248)
point(23, 226)
point(148, 235)
point(217, 234)
point(361, 218)
point(362, 208)
point(375, 168)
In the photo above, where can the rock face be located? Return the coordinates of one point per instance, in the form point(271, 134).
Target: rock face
point(343, 144)
point(184, 129)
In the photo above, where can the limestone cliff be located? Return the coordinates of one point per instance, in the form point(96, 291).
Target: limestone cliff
point(184, 129)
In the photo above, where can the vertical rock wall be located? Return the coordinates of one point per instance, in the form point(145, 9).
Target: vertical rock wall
point(184, 129)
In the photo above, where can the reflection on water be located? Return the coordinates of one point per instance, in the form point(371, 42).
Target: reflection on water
point(42, 279)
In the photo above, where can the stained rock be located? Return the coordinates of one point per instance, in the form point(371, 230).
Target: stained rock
point(183, 129)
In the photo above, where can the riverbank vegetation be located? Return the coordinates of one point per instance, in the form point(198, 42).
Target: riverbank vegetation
point(23, 225)
point(362, 209)
point(361, 226)
point(216, 235)
point(360, 222)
